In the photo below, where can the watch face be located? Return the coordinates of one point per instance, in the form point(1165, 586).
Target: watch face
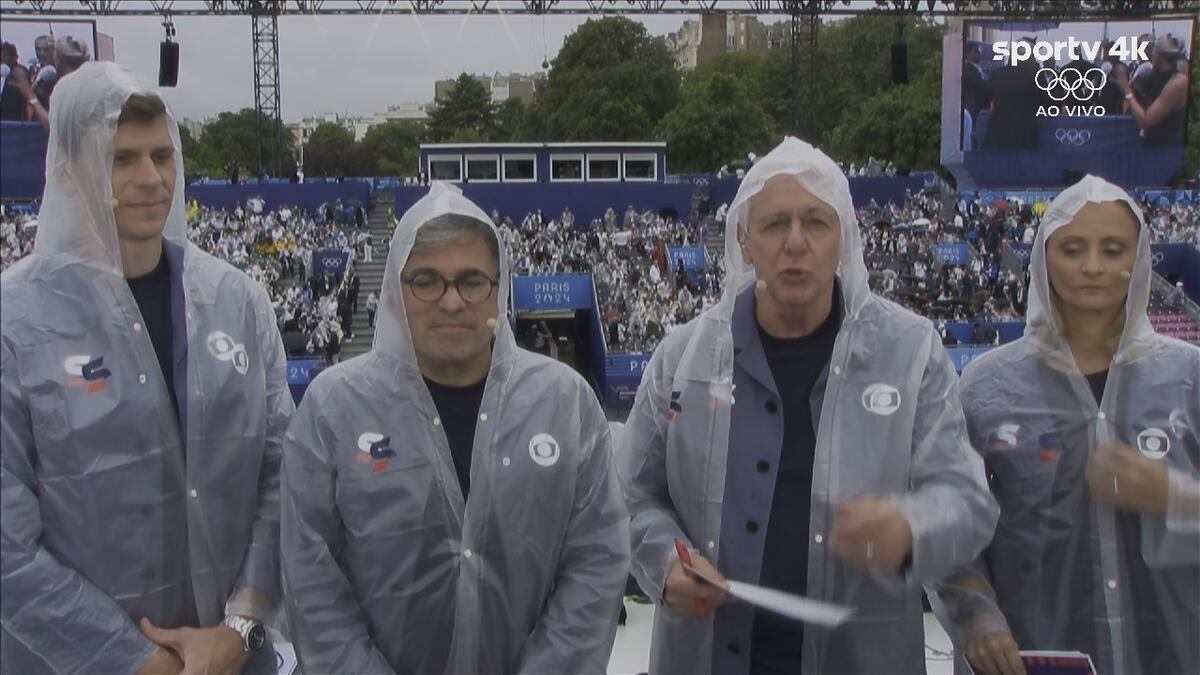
point(256, 637)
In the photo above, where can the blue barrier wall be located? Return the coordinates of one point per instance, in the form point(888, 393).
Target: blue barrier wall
point(1009, 330)
point(587, 201)
point(304, 195)
point(1021, 168)
point(1032, 196)
point(880, 188)
point(1182, 260)
point(961, 356)
point(23, 158)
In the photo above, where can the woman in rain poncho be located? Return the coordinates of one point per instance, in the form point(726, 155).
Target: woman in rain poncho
point(704, 446)
point(409, 550)
point(1088, 429)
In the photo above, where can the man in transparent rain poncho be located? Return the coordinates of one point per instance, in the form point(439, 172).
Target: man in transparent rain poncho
point(1088, 429)
point(144, 403)
point(803, 434)
point(449, 503)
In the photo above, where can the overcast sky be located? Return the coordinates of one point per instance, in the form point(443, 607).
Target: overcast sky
point(357, 64)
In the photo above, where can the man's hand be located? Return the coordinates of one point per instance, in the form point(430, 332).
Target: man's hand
point(161, 662)
point(871, 533)
point(204, 651)
point(1119, 475)
point(683, 590)
point(995, 654)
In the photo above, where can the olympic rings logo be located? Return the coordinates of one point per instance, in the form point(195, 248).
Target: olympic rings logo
point(1070, 82)
point(1156, 258)
point(1073, 136)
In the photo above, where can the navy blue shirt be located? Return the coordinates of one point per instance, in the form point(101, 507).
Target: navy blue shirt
point(796, 365)
point(152, 292)
point(459, 409)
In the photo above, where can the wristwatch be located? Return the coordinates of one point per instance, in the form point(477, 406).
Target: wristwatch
point(254, 636)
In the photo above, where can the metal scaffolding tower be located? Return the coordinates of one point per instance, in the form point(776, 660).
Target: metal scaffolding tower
point(804, 37)
point(264, 29)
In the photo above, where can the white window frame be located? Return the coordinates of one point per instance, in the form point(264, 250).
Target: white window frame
point(445, 158)
point(494, 159)
point(603, 157)
point(640, 157)
point(569, 157)
point(516, 157)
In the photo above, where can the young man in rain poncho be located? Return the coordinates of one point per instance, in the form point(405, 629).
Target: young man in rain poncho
point(1088, 427)
point(803, 434)
point(144, 404)
point(449, 500)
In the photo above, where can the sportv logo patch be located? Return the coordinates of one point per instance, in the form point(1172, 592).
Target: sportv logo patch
point(1074, 88)
point(1071, 49)
point(375, 449)
point(86, 371)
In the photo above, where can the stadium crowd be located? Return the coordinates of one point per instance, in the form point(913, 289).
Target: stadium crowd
point(643, 294)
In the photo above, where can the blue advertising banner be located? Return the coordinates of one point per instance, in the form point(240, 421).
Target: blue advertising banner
point(951, 254)
point(561, 292)
point(961, 356)
point(300, 371)
point(330, 260)
point(691, 257)
point(626, 365)
point(1016, 256)
point(623, 375)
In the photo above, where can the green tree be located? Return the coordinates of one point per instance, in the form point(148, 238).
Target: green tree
point(191, 151)
point(853, 67)
point(719, 119)
point(233, 137)
point(393, 148)
point(510, 121)
point(610, 61)
point(330, 150)
point(900, 123)
point(466, 106)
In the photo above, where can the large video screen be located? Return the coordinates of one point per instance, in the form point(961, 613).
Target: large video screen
point(1039, 86)
point(1071, 90)
point(34, 38)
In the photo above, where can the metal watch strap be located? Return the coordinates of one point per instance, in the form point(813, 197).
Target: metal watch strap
point(242, 626)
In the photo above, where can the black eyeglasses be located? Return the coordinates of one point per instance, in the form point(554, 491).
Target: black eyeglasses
point(472, 287)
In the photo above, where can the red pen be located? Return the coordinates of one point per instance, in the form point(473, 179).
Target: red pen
point(685, 558)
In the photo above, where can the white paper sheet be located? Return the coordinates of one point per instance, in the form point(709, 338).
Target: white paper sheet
point(796, 607)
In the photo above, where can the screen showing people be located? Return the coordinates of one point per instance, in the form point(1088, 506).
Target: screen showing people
point(35, 55)
point(1075, 86)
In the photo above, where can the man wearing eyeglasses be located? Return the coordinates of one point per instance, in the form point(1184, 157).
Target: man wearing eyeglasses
point(448, 501)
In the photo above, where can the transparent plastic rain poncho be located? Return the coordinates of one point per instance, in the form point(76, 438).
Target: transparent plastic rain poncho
point(104, 520)
point(386, 569)
point(673, 467)
point(1064, 571)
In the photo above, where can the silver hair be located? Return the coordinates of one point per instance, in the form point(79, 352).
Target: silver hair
point(440, 231)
